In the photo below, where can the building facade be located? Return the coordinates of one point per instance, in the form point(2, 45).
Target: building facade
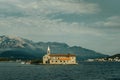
point(59, 58)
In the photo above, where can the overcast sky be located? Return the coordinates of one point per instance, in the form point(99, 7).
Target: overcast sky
point(92, 24)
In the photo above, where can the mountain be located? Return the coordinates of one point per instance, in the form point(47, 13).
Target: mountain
point(81, 53)
point(19, 48)
point(114, 56)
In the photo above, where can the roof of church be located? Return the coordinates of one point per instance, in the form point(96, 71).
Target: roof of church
point(62, 55)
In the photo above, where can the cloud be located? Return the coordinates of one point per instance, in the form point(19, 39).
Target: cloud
point(45, 7)
point(31, 19)
point(10, 10)
point(44, 26)
point(113, 21)
point(33, 14)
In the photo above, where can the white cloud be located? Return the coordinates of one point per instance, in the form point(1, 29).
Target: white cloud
point(35, 24)
point(113, 21)
point(37, 20)
point(36, 7)
point(44, 26)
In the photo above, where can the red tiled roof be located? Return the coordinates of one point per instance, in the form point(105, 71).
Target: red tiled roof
point(62, 55)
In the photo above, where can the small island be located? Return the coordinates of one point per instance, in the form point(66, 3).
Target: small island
point(59, 58)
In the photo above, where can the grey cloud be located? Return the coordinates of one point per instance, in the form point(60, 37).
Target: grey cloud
point(38, 7)
point(30, 19)
point(112, 22)
point(10, 10)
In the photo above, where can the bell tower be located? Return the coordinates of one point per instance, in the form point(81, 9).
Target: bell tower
point(48, 50)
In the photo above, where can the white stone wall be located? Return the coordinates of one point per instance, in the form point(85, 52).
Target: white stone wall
point(46, 59)
point(57, 60)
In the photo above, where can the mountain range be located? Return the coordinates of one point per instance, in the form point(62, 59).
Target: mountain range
point(20, 48)
point(114, 56)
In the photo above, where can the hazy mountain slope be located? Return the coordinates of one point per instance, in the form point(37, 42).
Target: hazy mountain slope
point(17, 47)
point(81, 53)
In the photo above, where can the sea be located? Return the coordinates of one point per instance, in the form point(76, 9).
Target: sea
point(81, 71)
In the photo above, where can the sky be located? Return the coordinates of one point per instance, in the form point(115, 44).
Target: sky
point(92, 24)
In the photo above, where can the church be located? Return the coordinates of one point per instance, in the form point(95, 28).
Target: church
point(59, 58)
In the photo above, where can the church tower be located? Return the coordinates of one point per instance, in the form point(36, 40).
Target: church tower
point(48, 50)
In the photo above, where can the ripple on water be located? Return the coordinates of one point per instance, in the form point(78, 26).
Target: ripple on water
point(83, 71)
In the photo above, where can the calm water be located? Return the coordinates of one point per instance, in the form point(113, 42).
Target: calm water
point(83, 71)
